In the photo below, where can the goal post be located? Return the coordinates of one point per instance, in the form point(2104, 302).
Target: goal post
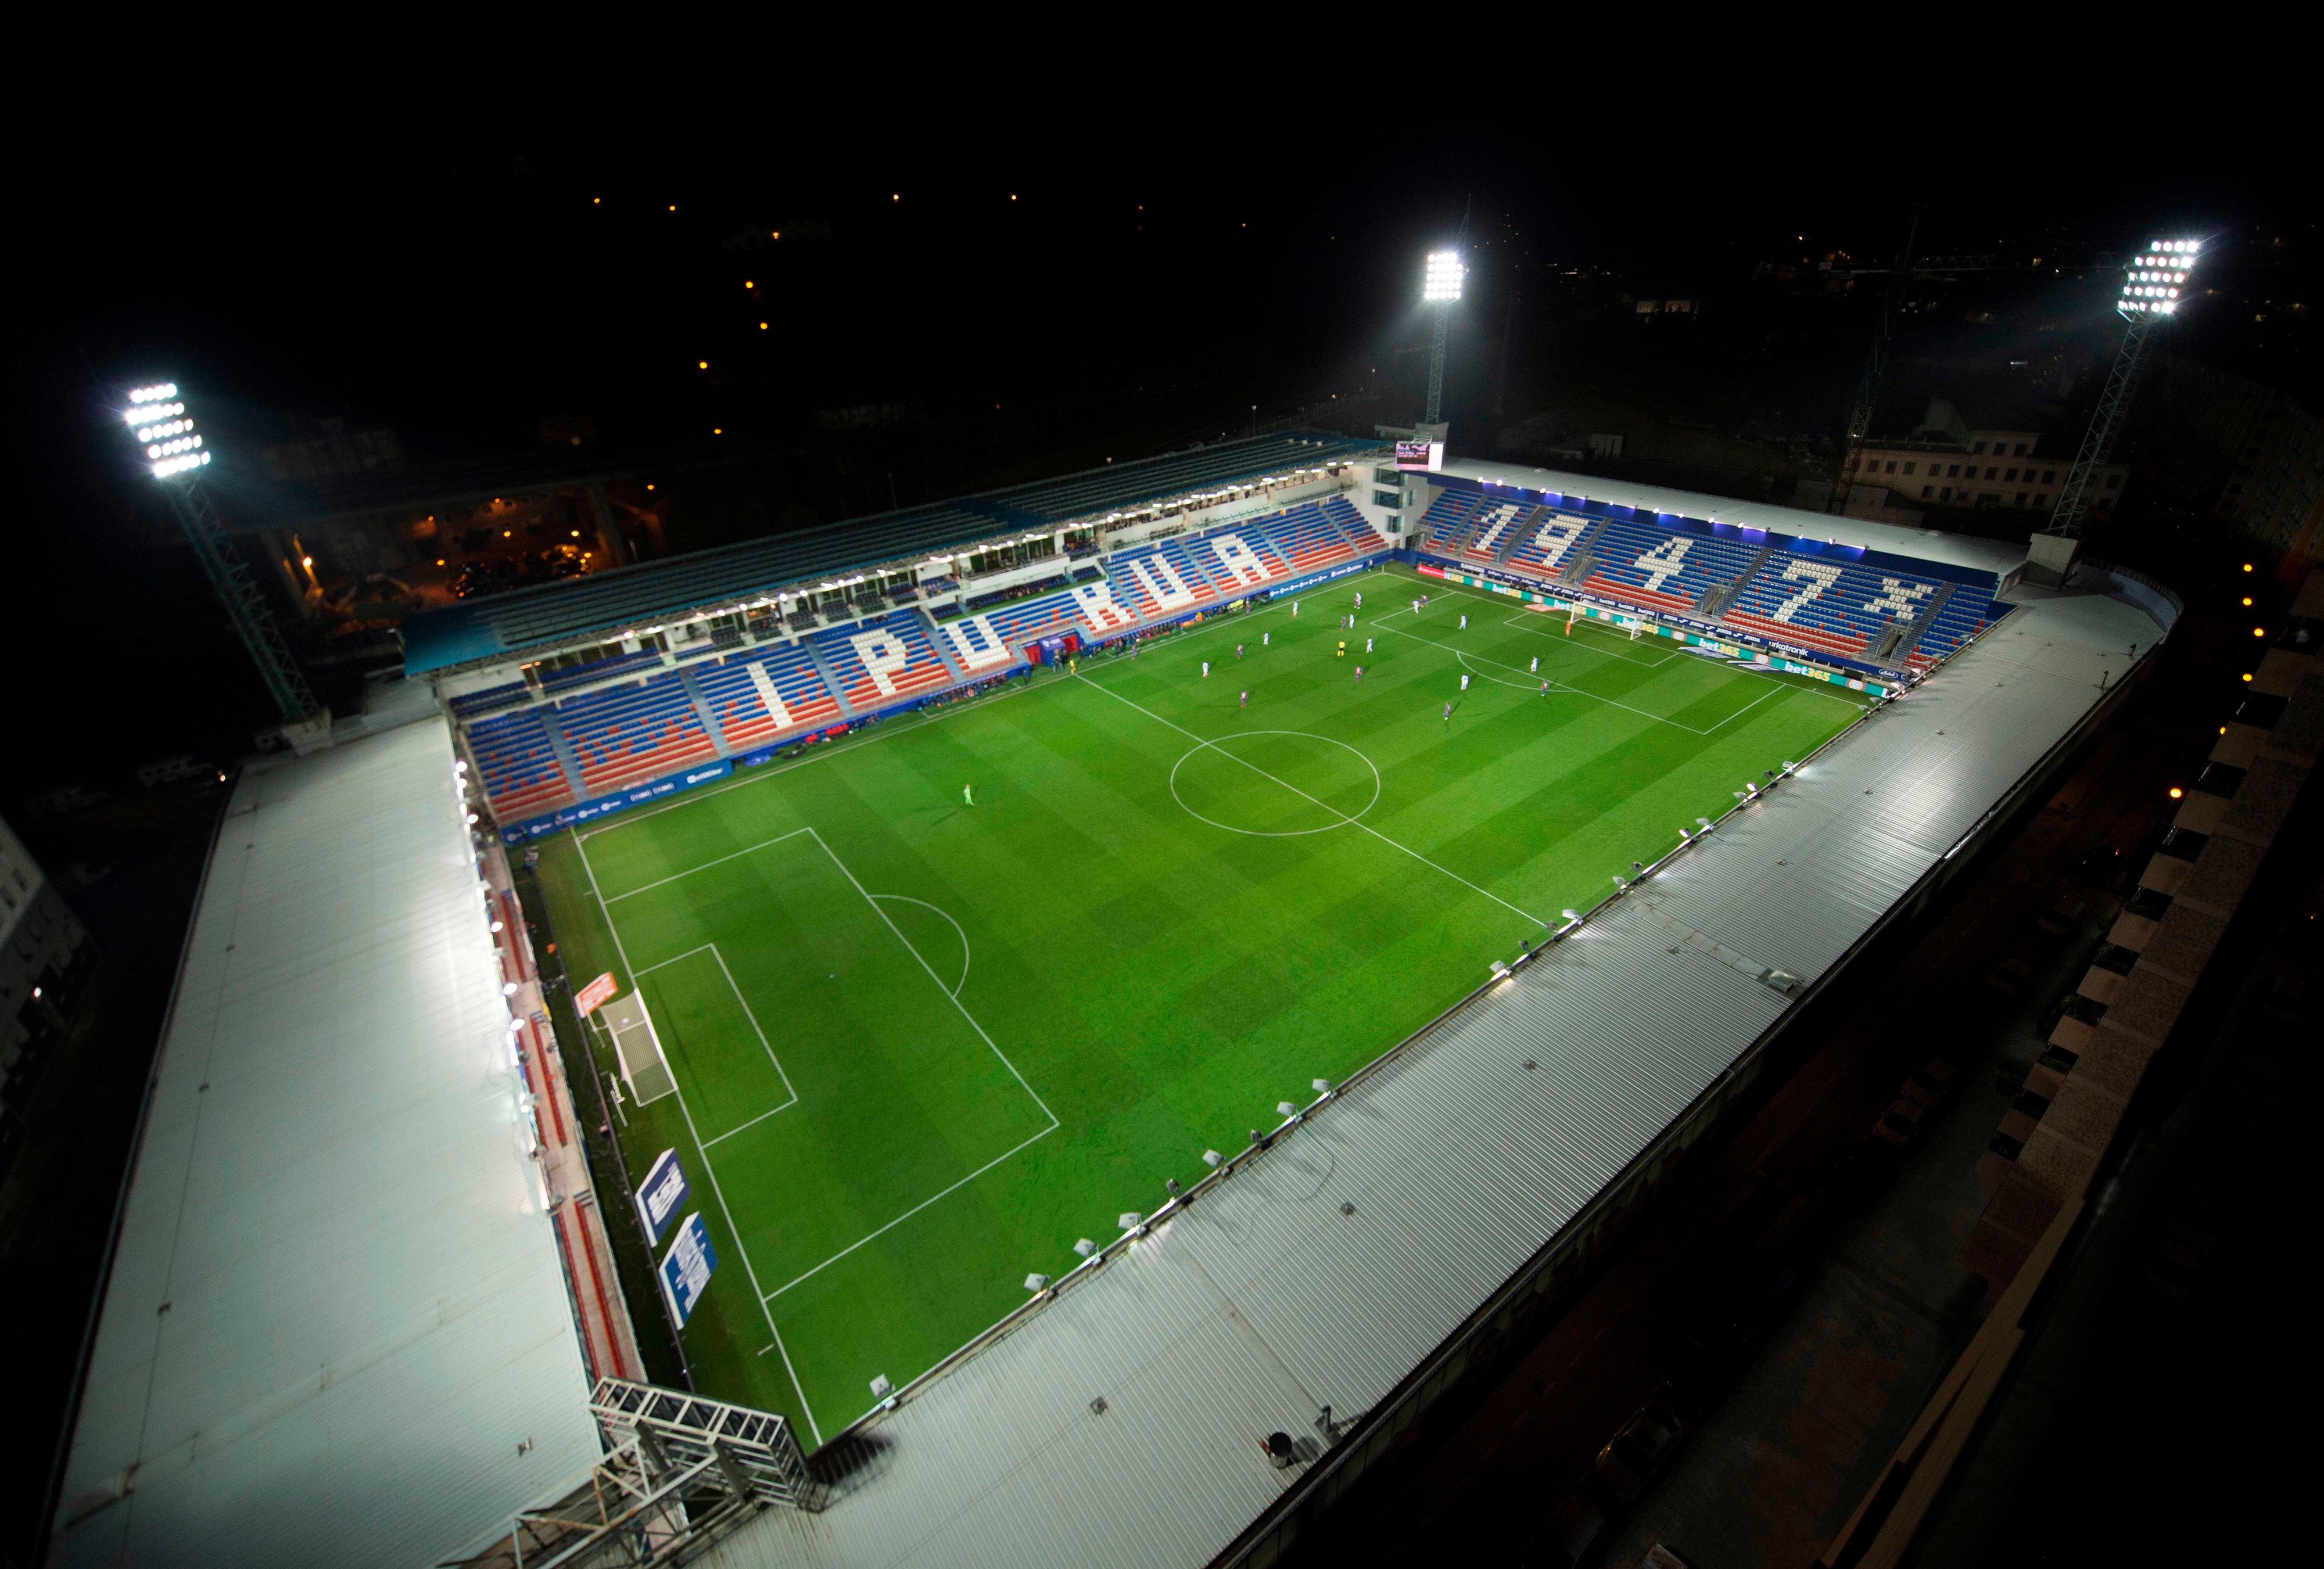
point(638, 1049)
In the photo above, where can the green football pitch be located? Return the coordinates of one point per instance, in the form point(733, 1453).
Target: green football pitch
point(922, 1046)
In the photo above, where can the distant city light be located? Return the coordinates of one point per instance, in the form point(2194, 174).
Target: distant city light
point(1445, 275)
point(702, 364)
point(2176, 792)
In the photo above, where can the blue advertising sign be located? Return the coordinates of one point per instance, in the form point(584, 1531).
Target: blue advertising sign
point(686, 1268)
point(660, 1195)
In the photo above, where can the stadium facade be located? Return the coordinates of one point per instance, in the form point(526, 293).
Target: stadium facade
point(1320, 1288)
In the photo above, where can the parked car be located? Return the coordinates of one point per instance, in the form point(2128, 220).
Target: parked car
point(1899, 1122)
point(1638, 1453)
point(1573, 1530)
point(1930, 1082)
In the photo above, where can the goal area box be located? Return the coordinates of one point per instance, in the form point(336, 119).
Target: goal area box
point(644, 1068)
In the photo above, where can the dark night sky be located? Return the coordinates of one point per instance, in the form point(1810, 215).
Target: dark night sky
point(460, 283)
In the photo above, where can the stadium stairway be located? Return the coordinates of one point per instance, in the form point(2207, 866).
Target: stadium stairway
point(702, 709)
point(810, 645)
point(1827, 606)
point(626, 734)
point(1500, 528)
point(737, 689)
point(562, 746)
point(1450, 522)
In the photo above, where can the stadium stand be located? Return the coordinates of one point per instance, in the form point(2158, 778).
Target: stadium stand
point(1495, 525)
point(883, 659)
point(572, 676)
point(1552, 541)
point(1966, 612)
point(519, 763)
point(1154, 582)
point(766, 695)
point(632, 733)
point(1661, 568)
point(1450, 523)
point(1828, 605)
point(1307, 537)
point(491, 700)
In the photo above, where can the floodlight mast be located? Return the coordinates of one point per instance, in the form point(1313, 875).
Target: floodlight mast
point(2153, 284)
point(175, 455)
point(1441, 289)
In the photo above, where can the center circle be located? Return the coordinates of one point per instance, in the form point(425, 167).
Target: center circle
point(1274, 784)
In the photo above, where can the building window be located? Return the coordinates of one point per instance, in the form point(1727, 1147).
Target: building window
point(1993, 473)
point(1908, 468)
point(2011, 475)
point(1892, 466)
point(2049, 476)
point(1952, 472)
point(2021, 498)
point(2021, 450)
point(2041, 502)
point(1925, 492)
point(1979, 449)
point(1948, 495)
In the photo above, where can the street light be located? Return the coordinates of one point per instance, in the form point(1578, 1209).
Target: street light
point(1441, 289)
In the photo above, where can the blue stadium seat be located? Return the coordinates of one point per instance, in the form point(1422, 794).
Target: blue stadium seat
point(522, 775)
point(738, 699)
point(1665, 569)
point(635, 732)
point(883, 659)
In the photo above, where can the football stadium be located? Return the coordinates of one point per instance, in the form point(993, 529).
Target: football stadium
point(1055, 1023)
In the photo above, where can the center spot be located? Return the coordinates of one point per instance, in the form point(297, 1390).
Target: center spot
point(1275, 783)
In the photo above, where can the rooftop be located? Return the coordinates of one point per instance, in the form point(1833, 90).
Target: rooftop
point(336, 1326)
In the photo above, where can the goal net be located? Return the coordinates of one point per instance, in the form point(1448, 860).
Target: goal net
point(644, 1068)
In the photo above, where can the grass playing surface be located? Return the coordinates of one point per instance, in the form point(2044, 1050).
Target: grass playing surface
point(920, 1048)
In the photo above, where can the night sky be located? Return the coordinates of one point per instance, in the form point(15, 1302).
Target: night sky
point(460, 284)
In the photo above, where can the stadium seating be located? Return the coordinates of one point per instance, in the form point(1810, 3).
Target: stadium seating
point(1663, 568)
point(1306, 538)
point(597, 670)
point(1551, 541)
point(1497, 523)
point(519, 764)
point(491, 700)
point(1155, 581)
point(1450, 522)
point(881, 661)
point(737, 699)
point(1968, 612)
point(636, 731)
point(1828, 604)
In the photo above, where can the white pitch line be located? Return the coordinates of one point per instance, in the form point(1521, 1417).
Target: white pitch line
point(924, 904)
point(1303, 795)
point(673, 877)
point(806, 1408)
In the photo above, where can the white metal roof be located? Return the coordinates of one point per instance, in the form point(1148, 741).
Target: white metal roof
point(1266, 1299)
point(336, 1309)
point(1995, 556)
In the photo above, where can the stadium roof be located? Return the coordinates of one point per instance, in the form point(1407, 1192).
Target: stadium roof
point(558, 613)
point(1270, 1297)
point(336, 1329)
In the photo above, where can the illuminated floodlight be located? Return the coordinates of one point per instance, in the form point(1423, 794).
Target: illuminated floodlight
point(158, 419)
point(2153, 282)
point(1445, 275)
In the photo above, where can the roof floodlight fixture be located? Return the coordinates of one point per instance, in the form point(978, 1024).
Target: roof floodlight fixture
point(1440, 290)
point(2153, 284)
point(1445, 275)
point(1286, 1109)
point(1500, 971)
point(1085, 1248)
point(2155, 277)
point(1211, 1157)
point(1321, 1086)
point(1703, 823)
point(1129, 1220)
point(1036, 1282)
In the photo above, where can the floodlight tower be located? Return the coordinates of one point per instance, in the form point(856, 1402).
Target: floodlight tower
point(2151, 289)
point(176, 454)
point(1442, 290)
